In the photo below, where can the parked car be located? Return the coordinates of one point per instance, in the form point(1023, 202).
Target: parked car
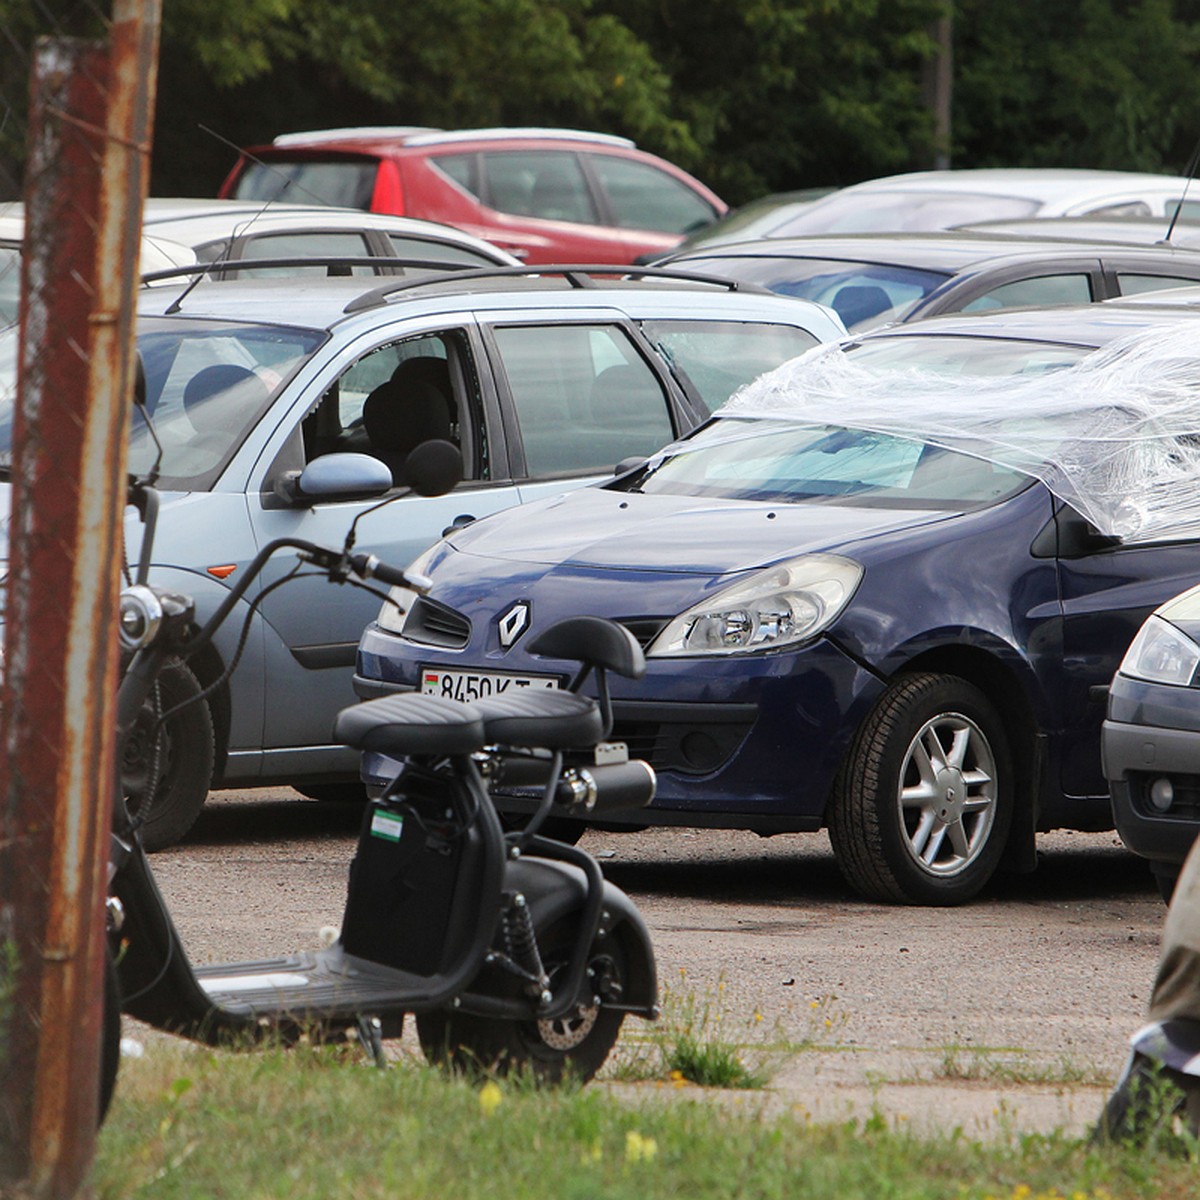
point(234, 230)
point(925, 200)
point(1142, 231)
point(861, 606)
point(754, 219)
point(178, 232)
point(545, 195)
point(544, 381)
point(875, 279)
point(1151, 739)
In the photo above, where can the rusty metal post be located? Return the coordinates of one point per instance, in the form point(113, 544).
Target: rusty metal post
point(91, 117)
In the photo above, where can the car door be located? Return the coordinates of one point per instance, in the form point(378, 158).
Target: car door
point(1107, 590)
point(316, 625)
point(578, 398)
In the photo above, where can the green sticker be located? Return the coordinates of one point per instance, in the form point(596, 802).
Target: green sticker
point(386, 825)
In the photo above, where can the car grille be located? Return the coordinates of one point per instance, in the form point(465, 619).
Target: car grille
point(433, 624)
point(645, 629)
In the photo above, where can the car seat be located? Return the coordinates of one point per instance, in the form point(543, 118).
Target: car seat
point(405, 411)
point(219, 401)
point(856, 303)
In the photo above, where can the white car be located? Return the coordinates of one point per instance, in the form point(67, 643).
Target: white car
point(926, 200)
point(182, 232)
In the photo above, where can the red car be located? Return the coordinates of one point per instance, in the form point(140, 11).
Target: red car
point(545, 195)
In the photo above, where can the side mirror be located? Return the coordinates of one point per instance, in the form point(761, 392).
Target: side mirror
point(630, 464)
point(459, 522)
point(433, 468)
point(336, 477)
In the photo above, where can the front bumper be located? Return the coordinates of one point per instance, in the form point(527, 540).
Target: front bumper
point(749, 741)
point(1151, 739)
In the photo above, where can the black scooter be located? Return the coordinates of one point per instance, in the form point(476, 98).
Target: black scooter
point(511, 949)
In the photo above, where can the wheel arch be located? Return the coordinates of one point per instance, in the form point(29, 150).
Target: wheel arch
point(1015, 705)
point(208, 666)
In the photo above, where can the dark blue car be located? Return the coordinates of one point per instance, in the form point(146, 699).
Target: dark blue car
point(905, 639)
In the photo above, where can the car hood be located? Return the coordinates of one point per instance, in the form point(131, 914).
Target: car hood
point(610, 530)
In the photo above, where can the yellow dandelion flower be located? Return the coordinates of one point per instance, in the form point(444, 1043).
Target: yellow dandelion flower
point(639, 1148)
point(490, 1097)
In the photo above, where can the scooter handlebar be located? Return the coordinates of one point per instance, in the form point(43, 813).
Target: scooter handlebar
point(369, 567)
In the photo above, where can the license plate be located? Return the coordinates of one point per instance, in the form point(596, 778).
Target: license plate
point(476, 685)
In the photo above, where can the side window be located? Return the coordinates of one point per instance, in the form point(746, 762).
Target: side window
point(712, 359)
point(1124, 208)
point(315, 244)
point(1133, 284)
point(1040, 292)
point(400, 395)
point(461, 168)
point(10, 282)
point(643, 197)
point(545, 184)
point(584, 397)
point(436, 252)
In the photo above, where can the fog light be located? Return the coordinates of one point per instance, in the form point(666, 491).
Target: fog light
point(1162, 795)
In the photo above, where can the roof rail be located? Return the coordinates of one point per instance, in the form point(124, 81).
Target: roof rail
point(577, 275)
point(350, 131)
point(434, 137)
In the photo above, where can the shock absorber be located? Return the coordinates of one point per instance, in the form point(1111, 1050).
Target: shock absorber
point(520, 944)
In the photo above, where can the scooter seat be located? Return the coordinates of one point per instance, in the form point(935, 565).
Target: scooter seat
point(548, 719)
point(411, 724)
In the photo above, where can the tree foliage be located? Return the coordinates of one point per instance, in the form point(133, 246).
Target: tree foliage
point(755, 96)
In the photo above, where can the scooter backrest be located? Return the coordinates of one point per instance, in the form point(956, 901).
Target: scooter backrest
point(595, 642)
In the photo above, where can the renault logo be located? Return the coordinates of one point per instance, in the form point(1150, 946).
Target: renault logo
point(514, 623)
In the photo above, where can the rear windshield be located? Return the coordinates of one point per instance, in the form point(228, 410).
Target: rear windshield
point(344, 183)
point(888, 212)
point(863, 294)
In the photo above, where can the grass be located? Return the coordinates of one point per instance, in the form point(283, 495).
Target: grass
point(311, 1122)
point(989, 1064)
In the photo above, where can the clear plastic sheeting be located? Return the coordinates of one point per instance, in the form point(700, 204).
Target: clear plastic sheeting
point(1115, 434)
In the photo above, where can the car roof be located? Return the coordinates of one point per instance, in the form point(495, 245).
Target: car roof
point(1091, 325)
point(1131, 231)
point(936, 250)
point(1033, 183)
point(324, 303)
point(197, 222)
point(390, 137)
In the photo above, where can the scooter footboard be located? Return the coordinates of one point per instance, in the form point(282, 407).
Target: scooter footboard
point(553, 890)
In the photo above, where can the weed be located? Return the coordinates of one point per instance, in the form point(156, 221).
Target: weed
point(981, 1064)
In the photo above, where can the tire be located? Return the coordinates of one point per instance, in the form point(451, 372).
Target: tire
point(185, 760)
point(110, 1036)
point(550, 1051)
point(921, 809)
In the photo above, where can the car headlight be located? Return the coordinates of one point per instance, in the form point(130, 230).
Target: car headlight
point(783, 605)
point(400, 599)
point(1161, 653)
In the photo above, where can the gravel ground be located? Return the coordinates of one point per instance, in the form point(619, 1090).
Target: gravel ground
point(1011, 1013)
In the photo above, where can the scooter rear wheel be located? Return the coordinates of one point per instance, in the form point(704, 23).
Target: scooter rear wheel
point(1149, 1103)
point(573, 1048)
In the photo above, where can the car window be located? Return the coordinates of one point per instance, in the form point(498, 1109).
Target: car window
point(463, 169)
point(863, 294)
point(1039, 292)
point(436, 252)
point(584, 398)
point(546, 184)
point(712, 359)
point(1133, 283)
point(888, 212)
point(207, 384)
point(344, 183)
point(641, 196)
point(303, 245)
point(10, 282)
point(785, 462)
point(398, 396)
point(1126, 208)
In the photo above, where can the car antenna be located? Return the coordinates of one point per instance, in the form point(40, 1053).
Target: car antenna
point(288, 181)
point(1190, 173)
point(222, 259)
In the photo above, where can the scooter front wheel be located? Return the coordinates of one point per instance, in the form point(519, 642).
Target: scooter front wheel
point(572, 1047)
point(1149, 1102)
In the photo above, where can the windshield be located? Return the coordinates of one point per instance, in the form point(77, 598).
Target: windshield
point(893, 212)
point(863, 294)
point(207, 385)
point(783, 462)
point(1115, 432)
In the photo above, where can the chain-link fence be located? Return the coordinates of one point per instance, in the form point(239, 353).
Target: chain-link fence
point(76, 90)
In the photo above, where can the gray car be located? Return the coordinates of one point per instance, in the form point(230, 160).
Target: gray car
point(544, 381)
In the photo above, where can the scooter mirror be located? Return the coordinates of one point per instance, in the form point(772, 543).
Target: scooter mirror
point(433, 468)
